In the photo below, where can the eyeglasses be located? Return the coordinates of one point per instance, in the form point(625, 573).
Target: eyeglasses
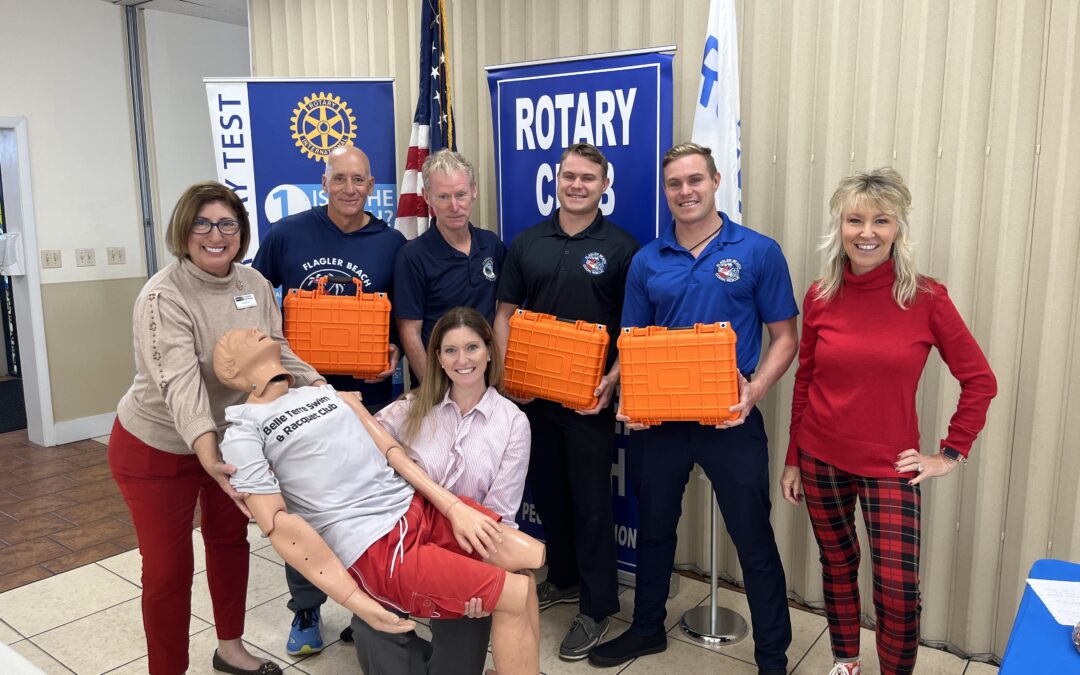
point(226, 226)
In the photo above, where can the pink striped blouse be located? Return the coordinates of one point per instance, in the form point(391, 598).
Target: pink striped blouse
point(483, 454)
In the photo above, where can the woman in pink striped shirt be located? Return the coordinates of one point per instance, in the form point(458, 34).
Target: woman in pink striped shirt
point(472, 441)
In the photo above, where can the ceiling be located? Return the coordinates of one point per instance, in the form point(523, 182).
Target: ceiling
point(229, 11)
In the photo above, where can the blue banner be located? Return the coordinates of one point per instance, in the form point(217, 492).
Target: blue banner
point(620, 103)
point(271, 138)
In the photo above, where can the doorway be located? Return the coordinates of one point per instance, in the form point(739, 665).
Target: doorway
point(12, 402)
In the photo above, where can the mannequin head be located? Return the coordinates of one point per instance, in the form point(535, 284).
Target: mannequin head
point(246, 359)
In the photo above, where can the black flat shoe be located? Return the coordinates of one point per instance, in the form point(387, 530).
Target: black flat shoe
point(267, 668)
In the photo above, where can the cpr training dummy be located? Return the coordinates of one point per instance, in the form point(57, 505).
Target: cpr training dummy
point(342, 489)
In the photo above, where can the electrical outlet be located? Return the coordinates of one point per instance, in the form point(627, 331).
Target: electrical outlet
point(84, 257)
point(50, 258)
point(117, 255)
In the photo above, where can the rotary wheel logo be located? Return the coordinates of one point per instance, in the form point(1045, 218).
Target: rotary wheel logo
point(320, 123)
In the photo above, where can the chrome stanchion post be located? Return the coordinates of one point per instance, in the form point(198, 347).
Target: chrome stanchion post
point(713, 626)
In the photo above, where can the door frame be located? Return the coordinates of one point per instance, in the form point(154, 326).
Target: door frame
point(26, 289)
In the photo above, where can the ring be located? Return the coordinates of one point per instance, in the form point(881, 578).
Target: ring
point(918, 467)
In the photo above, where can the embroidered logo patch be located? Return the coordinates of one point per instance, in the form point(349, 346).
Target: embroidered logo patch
point(489, 269)
point(594, 263)
point(728, 270)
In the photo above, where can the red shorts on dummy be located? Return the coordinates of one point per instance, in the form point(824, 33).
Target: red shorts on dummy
point(428, 575)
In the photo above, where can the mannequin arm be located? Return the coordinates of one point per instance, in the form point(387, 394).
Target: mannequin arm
point(472, 529)
point(302, 547)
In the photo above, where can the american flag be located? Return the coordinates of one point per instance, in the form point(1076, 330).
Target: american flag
point(433, 123)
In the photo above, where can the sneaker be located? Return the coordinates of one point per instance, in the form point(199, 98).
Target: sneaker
point(584, 634)
point(305, 638)
point(549, 594)
point(845, 668)
point(626, 647)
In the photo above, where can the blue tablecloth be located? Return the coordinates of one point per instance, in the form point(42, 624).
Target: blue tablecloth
point(1038, 644)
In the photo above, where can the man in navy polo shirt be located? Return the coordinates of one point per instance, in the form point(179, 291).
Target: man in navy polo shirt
point(453, 264)
point(338, 240)
point(573, 265)
point(706, 268)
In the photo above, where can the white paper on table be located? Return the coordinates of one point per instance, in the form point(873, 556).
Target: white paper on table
point(1062, 598)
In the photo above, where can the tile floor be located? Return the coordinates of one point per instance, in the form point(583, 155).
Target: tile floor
point(59, 509)
point(87, 619)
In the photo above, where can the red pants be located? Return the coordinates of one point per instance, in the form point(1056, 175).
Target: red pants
point(891, 510)
point(160, 489)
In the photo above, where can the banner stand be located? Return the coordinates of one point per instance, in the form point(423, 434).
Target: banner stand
point(712, 625)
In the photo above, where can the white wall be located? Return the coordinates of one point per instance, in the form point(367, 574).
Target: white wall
point(180, 52)
point(63, 67)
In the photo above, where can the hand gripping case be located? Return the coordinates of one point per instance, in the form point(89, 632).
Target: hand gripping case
point(683, 374)
point(555, 359)
point(339, 334)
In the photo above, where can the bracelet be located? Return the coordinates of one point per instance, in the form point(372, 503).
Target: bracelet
point(447, 513)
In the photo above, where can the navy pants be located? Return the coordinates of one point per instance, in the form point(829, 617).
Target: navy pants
point(736, 460)
point(570, 479)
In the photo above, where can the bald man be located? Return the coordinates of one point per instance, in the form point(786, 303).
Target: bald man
point(340, 240)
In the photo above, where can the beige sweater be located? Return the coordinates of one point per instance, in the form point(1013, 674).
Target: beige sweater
point(179, 316)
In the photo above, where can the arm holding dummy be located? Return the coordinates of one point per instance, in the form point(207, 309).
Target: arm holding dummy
point(505, 547)
point(302, 548)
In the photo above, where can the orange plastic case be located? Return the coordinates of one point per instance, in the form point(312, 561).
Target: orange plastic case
point(555, 359)
point(685, 374)
point(339, 334)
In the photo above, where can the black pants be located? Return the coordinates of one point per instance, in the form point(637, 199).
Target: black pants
point(736, 460)
point(457, 647)
point(570, 479)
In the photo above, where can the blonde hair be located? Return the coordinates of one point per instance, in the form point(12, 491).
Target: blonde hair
point(883, 189)
point(447, 162)
point(436, 382)
point(686, 150)
point(187, 208)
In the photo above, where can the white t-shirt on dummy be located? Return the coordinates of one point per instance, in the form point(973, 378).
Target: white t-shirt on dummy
point(324, 465)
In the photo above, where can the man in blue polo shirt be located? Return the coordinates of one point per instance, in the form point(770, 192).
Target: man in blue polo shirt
point(707, 268)
point(453, 264)
point(340, 240)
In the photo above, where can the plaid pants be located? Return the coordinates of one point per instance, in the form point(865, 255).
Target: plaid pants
point(891, 510)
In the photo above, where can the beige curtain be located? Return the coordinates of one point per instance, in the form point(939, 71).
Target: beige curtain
point(976, 103)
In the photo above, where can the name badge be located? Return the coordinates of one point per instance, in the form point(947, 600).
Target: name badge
point(245, 301)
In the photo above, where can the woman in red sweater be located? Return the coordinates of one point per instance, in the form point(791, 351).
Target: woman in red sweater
point(868, 325)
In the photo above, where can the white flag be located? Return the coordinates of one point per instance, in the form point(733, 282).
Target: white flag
point(716, 113)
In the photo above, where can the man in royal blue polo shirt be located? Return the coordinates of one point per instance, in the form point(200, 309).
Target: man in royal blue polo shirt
point(453, 264)
point(573, 265)
point(338, 240)
point(706, 268)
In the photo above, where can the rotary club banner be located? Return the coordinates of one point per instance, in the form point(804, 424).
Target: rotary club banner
point(271, 138)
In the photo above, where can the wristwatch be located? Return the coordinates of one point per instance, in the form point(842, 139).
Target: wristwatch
point(953, 455)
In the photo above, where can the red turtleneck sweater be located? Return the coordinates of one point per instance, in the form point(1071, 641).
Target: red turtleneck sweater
point(860, 360)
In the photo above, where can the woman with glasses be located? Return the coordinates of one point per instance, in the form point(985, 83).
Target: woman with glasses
point(163, 450)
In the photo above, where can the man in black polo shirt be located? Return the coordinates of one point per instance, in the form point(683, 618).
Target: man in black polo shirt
point(450, 265)
point(574, 266)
